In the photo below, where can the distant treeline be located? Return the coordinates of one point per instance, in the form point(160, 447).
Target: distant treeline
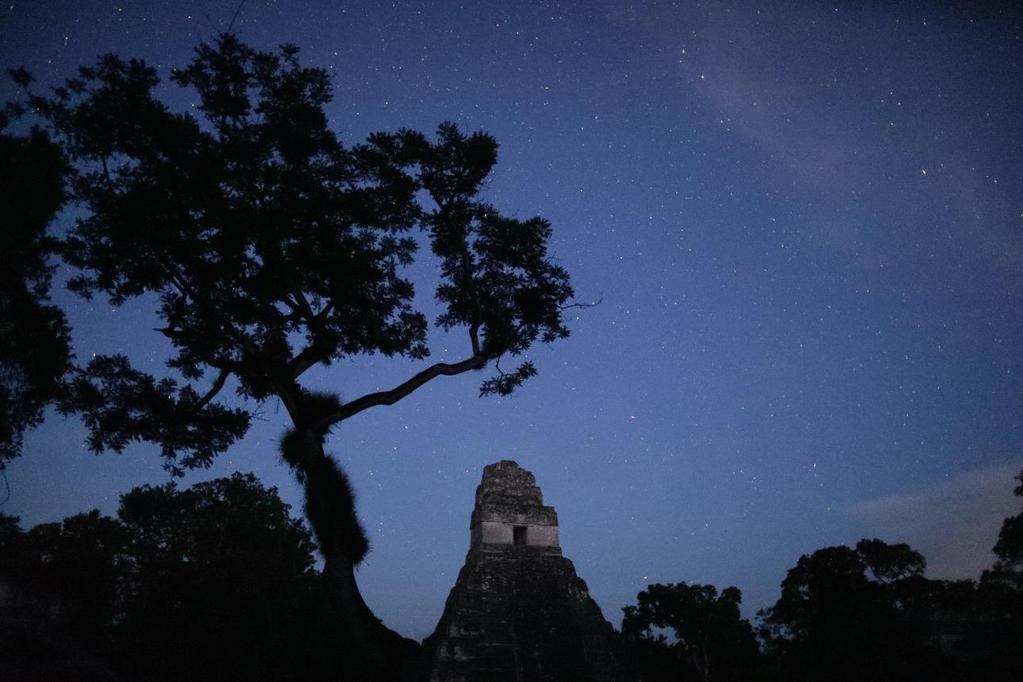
point(217, 581)
point(213, 582)
point(863, 613)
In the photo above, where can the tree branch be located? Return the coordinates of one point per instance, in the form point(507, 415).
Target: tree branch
point(106, 175)
point(312, 353)
point(474, 338)
point(476, 361)
point(594, 304)
point(302, 302)
point(324, 311)
point(292, 305)
point(214, 390)
point(308, 357)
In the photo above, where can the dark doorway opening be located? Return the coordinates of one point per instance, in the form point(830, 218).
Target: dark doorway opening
point(519, 536)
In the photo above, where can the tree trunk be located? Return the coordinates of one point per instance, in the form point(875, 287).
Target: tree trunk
point(703, 666)
point(379, 653)
point(372, 652)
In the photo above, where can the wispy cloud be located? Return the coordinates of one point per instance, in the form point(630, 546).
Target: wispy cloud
point(884, 139)
point(954, 523)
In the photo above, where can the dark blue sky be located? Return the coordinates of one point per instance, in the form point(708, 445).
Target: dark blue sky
point(806, 223)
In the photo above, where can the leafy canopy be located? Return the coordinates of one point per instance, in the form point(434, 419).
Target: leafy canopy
point(35, 348)
point(1009, 547)
point(272, 246)
point(854, 613)
point(219, 569)
point(708, 629)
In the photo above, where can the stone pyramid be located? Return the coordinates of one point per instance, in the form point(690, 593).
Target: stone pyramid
point(518, 611)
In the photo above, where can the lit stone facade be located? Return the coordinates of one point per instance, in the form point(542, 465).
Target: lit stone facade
point(509, 511)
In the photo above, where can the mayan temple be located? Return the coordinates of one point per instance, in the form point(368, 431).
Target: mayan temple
point(518, 611)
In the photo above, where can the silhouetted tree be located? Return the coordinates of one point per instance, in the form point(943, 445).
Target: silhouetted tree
point(711, 640)
point(220, 570)
point(79, 561)
point(888, 563)
point(58, 600)
point(1009, 548)
point(1001, 594)
point(225, 573)
point(10, 539)
point(852, 614)
point(34, 342)
point(272, 248)
point(74, 565)
point(15, 563)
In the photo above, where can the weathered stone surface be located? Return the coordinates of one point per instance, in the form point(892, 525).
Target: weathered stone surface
point(518, 611)
point(508, 498)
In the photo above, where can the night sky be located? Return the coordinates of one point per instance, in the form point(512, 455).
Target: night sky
point(806, 223)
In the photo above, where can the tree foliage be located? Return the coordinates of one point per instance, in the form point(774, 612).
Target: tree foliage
point(273, 247)
point(34, 339)
point(1009, 548)
point(846, 613)
point(70, 567)
point(1001, 592)
point(222, 570)
point(213, 582)
point(710, 639)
